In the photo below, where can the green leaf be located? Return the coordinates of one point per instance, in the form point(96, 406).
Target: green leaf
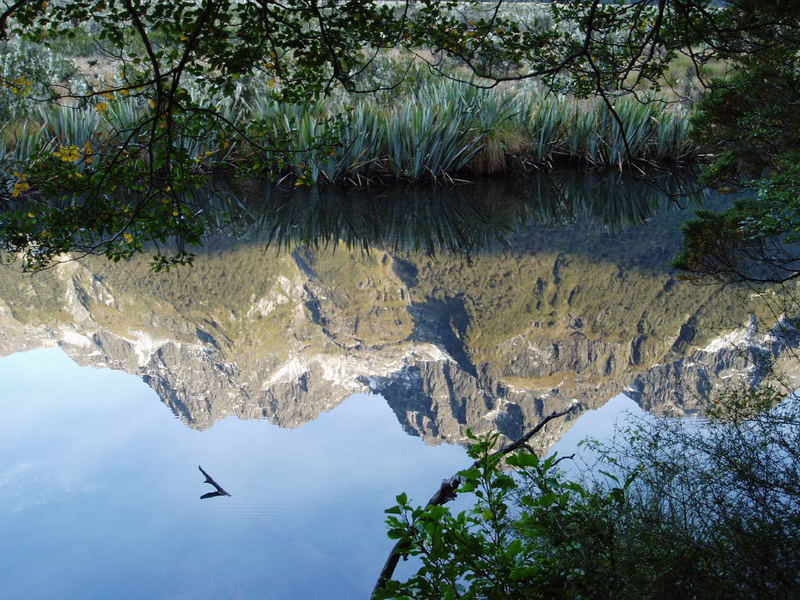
point(528, 572)
point(523, 460)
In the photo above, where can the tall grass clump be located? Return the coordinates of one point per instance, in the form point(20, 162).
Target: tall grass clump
point(312, 142)
point(70, 126)
point(543, 124)
point(428, 135)
point(433, 133)
point(500, 118)
point(439, 130)
point(648, 132)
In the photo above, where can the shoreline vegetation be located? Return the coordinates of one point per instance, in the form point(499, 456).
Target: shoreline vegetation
point(442, 131)
point(426, 128)
point(108, 140)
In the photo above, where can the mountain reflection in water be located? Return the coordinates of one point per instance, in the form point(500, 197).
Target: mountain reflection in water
point(98, 493)
point(362, 294)
point(469, 307)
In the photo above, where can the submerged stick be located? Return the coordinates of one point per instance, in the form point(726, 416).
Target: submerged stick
point(209, 479)
point(448, 491)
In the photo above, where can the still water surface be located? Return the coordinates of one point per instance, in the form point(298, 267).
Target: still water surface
point(485, 311)
point(99, 492)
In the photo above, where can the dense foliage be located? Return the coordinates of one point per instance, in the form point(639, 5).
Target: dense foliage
point(178, 70)
point(751, 122)
point(674, 511)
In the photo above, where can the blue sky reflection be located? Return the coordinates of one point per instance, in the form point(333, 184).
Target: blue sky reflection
point(99, 492)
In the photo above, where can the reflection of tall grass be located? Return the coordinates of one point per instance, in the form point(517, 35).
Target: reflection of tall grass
point(464, 219)
point(612, 199)
point(410, 218)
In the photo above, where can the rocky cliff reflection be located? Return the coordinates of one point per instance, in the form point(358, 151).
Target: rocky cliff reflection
point(533, 317)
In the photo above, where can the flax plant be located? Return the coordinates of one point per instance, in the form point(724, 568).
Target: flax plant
point(71, 126)
point(543, 127)
point(430, 139)
point(441, 131)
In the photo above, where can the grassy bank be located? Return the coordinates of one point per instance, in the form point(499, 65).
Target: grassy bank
point(439, 130)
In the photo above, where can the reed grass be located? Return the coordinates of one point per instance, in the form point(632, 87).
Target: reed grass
point(439, 131)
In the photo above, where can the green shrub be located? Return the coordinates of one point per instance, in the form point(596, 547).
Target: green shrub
point(672, 512)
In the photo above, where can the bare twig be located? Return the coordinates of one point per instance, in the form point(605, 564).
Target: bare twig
point(219, 491)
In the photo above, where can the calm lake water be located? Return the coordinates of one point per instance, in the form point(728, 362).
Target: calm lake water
point(100, 492)
point(317, 381)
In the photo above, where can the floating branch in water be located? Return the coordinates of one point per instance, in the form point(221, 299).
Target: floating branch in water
point(209, 479)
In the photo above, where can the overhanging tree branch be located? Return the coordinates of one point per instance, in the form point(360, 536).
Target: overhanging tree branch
point(448, 491)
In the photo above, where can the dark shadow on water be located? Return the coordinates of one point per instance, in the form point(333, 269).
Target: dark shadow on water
point(574, 211)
